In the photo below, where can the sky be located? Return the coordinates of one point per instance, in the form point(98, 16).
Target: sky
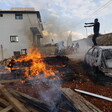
point(63, 17)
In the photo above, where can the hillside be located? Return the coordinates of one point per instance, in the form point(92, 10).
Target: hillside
point(102, 40)
point(105, 39)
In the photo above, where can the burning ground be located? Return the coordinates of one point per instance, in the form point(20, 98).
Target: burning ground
point(54, 73)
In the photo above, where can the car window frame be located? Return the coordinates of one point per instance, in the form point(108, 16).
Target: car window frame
point(95, 52)
point(105, 53)
point(90, 51)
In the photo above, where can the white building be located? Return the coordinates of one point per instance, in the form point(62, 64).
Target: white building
point(20, 28)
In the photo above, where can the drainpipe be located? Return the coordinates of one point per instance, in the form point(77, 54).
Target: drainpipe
point(95, 95)
point(2, 52)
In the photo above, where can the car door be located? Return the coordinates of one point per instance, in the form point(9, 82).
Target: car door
point(107, 54)
point(88, 56)
point(95, 57)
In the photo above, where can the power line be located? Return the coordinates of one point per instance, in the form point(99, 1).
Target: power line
point(99, 9)
point(102, 8)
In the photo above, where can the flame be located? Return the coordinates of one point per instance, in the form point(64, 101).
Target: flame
point(37, 64)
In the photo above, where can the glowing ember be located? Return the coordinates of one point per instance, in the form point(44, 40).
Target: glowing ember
point(37, 65)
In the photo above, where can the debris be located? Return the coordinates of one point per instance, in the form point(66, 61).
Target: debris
point(92, 94)
point(59, 65)
point(9, 81)
point(78, 101)
point(13, 103)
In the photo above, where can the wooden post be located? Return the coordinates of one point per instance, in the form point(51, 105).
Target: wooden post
point(19, 107)
point(78, 101)
point(7, 109)
point(2, 54)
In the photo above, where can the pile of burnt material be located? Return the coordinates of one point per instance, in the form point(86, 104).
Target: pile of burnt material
point(15, 101)
point(53, 99)
point(58, 64)
point(15, 70)
point(62, 105)
point(61, 68)
point(57, 60)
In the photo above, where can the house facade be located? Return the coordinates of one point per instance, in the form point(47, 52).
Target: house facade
point(20, 28)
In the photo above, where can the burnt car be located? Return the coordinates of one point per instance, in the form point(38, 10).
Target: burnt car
point(99, 58)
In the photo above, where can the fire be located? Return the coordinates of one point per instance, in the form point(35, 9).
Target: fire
point(37, 65)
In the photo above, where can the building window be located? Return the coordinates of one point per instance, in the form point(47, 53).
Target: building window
point(14, 38)
point(18, 16)
point(1, 15)
point(16, 53)
point(23, 51)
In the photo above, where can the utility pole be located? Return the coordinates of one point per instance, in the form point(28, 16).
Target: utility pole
point(86, 32)
point(2, 52)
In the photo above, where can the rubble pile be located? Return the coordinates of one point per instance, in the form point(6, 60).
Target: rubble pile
point(81, 81)
point(13, 100)
point(45, 89)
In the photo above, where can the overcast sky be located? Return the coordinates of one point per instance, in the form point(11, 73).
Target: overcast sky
point(60, 17)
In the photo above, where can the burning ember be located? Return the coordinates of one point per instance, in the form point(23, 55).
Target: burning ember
point(35, 64)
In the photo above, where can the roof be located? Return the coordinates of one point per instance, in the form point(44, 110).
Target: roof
point(23, 8)
point(18, 11)
point(21, 11)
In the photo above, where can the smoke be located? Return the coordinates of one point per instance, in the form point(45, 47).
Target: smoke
point(58, 29)
point(49, 91)
point(58, 37)
point(84, 46)
point(52, 95)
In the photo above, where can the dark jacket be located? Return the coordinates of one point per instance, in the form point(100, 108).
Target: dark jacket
point(96, 28)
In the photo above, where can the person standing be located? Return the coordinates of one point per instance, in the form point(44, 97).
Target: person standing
point(96, 28)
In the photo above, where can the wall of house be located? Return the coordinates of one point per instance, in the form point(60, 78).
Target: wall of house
point(49, 50)
point(21, 27)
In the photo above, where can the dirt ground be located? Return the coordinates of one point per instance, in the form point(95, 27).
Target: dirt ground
point(87, 85)
point(81, 82)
